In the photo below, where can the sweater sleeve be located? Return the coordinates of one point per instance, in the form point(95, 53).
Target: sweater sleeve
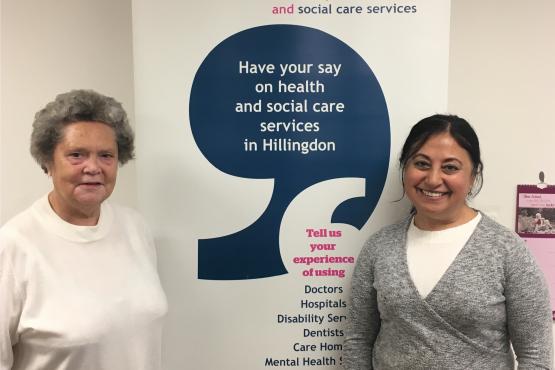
point(364, 319)
point(10, 307)
point(529, 318)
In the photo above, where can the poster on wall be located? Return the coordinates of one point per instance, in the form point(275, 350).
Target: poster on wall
point(301, 110)
point(280, 133)
point(535, 223)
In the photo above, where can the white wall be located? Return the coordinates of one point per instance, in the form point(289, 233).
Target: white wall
point(502, 79)
point(49, 47)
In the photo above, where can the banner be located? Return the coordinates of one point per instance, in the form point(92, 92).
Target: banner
point(267, 140)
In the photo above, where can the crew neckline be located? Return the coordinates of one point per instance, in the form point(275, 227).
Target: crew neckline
point(77, 233)
point(441, 235)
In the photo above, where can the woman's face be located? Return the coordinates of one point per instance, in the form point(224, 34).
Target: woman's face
point(83, 169)
point(437, 180)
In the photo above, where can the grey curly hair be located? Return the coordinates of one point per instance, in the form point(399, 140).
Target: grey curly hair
point(75, 106)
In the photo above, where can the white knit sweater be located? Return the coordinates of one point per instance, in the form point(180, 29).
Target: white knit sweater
point(79, 297)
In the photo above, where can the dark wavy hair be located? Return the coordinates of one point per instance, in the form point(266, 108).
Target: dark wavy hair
point(75, 106)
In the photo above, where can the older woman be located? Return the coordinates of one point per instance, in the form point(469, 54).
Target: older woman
point(78, 282)
point(447, 287)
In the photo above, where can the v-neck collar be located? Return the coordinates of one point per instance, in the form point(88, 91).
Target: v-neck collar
point(446, 275)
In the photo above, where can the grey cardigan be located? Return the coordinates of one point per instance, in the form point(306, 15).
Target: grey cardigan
point(493, 294)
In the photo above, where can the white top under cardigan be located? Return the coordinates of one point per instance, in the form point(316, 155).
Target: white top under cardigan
point(79, 297)
point(430, 253)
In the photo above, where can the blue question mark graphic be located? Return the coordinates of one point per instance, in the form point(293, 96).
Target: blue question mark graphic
point(351, 139)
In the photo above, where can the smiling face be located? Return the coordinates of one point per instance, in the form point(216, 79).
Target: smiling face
point(437, 179)
point(83, 169)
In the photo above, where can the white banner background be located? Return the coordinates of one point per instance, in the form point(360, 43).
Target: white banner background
point(233, 324)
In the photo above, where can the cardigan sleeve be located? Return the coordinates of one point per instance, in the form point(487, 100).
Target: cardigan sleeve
point(529, 317)
point(364, 319)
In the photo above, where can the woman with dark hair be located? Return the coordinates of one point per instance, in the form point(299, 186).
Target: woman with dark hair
point(79, 288)
point(447, 287)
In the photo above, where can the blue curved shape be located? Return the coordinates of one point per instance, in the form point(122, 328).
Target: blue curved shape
point(360, 133)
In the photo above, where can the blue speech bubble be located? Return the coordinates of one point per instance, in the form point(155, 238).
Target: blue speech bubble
point(319, 113)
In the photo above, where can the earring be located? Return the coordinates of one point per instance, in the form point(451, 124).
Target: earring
point(469, 194)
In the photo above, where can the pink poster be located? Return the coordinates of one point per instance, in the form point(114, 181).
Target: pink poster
point(535, 223)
